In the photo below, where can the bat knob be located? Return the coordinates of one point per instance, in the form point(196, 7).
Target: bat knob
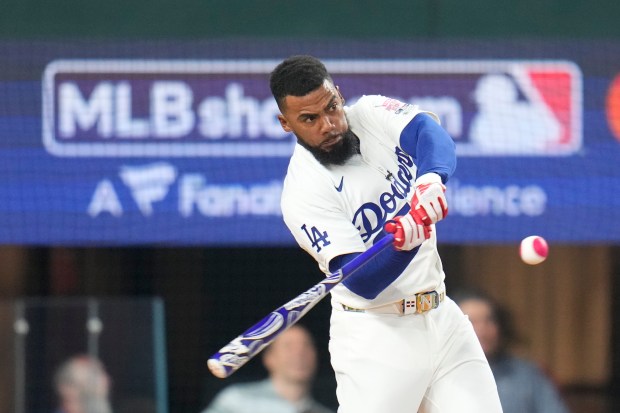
point(217, 369)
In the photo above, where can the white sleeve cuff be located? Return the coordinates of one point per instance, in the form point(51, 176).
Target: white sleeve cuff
point(428, 178)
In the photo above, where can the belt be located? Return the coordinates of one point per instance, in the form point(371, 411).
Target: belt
point(416, 304)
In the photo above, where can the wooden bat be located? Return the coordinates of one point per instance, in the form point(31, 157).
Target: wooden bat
point(243, 348)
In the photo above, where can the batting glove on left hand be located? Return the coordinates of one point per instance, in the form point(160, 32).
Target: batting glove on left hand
point(429, 200)
point(409, 231)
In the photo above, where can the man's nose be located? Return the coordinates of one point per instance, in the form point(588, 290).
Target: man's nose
point(327, 124)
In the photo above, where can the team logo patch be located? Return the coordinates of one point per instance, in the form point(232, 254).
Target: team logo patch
point(319, 239)
point(397, 107)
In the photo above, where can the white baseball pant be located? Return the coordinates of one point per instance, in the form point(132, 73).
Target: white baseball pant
point(426, 363)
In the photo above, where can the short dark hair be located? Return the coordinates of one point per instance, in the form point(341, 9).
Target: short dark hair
point(297, 76)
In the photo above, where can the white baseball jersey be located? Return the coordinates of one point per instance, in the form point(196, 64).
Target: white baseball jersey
point(338, 210)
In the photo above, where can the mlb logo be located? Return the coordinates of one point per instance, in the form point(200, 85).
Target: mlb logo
point(489, 107)
point(526, 109)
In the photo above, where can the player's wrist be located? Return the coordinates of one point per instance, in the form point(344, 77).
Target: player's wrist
point(429, 201)
point(408, 230)
point(428, 178)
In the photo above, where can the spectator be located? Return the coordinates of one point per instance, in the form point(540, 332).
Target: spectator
point(82, 386)
point(522, 386)
point(291, 362)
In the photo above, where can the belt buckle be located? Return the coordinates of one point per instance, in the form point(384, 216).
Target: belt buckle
point(351, 309)
point(427, 301)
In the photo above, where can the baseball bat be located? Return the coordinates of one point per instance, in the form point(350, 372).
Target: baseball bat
point(251, 342)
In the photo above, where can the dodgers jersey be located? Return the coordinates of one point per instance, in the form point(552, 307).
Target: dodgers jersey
point(341, 209)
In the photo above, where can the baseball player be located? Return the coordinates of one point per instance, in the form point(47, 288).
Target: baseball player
point(397, 342)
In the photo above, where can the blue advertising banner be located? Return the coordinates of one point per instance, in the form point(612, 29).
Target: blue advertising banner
point(180, 151)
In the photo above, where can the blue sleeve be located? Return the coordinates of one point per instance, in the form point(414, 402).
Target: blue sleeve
point(430, 146)
point(377, 273)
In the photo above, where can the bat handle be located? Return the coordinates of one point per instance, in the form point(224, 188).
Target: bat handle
point(369, 254)
point(239, 351)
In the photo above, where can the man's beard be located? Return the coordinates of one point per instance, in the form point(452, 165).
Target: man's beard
point(339, 153)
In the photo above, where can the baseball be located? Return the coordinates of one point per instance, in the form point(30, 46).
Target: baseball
point(534, 250)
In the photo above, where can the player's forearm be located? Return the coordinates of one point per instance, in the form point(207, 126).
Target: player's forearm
point(377, 274)
point(430, 145)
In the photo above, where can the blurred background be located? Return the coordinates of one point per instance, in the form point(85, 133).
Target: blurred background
point(141, 165)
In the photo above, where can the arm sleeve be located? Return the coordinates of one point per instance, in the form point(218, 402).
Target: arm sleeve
point(377, 274)
point(430, 145)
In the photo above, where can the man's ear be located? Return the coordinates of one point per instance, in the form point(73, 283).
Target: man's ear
point(284, 123)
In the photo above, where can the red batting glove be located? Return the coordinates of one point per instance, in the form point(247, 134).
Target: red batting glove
point(429, 200)
point(409, 231)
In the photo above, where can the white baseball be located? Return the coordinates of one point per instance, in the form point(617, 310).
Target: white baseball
point(533, 250)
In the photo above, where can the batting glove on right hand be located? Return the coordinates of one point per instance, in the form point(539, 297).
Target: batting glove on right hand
point(409, 231)
point(429, 200)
